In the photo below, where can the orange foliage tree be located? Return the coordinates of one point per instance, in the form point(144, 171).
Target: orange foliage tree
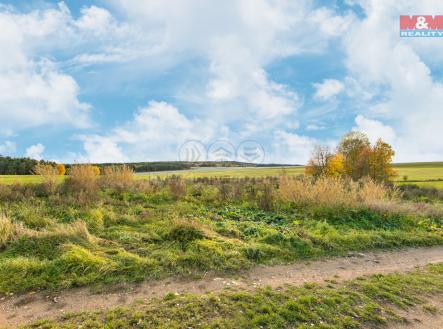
point(355, 158)
point(61, 169)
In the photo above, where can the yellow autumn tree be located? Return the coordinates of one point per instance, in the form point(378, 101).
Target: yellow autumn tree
point(335, 166)
point(61, 169)
point(380, 161)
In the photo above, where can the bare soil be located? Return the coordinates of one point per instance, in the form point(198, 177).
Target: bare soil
point(21, 309)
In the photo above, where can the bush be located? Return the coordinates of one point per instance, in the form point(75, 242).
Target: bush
point(334, 191)
point(177, 187)
point(49, 175)
point(82, 178)
point(117, 177)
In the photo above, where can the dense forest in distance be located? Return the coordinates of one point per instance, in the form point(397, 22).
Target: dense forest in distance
point(18, 166)
point(24, 166)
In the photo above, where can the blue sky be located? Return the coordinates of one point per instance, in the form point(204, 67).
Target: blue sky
point(132, 80)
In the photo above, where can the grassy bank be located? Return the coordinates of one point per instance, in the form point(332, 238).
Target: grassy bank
point(165, 228)
point(365, 302)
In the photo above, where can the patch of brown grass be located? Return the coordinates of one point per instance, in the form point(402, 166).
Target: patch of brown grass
point(82, 178)
point(117, 177)
point(333, 191)
point(49, 174)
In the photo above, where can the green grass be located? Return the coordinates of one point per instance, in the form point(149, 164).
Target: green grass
point(129, 236)
point(365, 302)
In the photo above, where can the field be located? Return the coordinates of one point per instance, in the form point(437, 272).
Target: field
point(120, 230)
point(422, 174)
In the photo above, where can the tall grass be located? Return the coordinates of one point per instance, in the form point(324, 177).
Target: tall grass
point(82, 178)
point(117, 177)
point(9, 230)
point(49, 174)
point(334, 191)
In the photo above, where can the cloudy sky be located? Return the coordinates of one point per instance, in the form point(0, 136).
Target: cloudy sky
point(132, 80)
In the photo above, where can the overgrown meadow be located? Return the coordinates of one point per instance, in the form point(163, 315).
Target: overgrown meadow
point(99, 229)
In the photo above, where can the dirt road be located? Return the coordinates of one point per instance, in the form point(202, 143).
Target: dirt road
point(22, 309)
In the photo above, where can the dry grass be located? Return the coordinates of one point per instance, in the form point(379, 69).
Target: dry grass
point(82, 178)
point(10, 230)
point(177, 187)
point(77, 231)
point(333, 191)
point(49, 174)
point(117, 177)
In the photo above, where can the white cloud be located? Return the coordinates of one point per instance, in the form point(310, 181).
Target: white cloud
point(237, 39)
point(291, 148)
point(375, 129)
point(328, 89)
point(155, 132)
point(7, 148)
point(33, 91)
point(406, 91)
point(35, 151)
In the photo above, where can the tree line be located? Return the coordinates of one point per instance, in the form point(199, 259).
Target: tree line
point(19, 166)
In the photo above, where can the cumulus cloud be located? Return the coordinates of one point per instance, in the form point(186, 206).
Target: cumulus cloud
point(291, 148)
point(35, 151)
point(156, 131)
point(407, 93)
point(237, 39)
point(33, 91)
point(328, 89)
point(375, 129)
point(7, 148)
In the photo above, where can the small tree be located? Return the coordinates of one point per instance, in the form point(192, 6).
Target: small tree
point(355, 148)
point(318, 163)
point(61, 169)
point(380, 161)
point(335, 166)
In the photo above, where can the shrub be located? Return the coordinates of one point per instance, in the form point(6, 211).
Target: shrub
point(334, 191)
point(266, 197)
point(117, 177)
point(49, 175)
point(82, 178)
point(177, 187)
point(61, 169)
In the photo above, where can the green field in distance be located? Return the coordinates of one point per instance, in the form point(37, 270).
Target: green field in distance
point(423, 174)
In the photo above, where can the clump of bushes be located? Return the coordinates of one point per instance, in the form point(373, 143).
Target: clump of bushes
point(177, 187)
point(82, 178)
point(334, 191)
point(117, 177)
point(49, 174)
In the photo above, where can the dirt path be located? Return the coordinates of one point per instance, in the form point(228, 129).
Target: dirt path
point(23, 309)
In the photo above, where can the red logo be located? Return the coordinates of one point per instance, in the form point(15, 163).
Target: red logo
point(421, 25)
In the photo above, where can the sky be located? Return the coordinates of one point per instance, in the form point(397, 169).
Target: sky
point(145, 80)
